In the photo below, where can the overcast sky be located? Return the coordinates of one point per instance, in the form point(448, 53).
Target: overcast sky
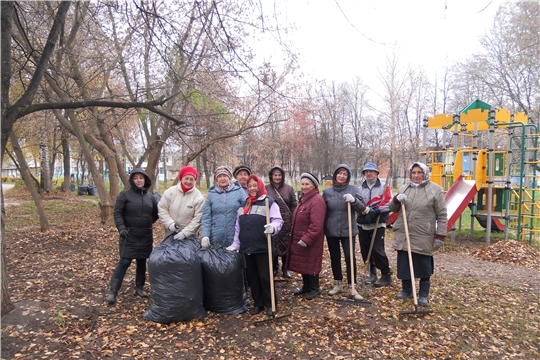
point(340, 39)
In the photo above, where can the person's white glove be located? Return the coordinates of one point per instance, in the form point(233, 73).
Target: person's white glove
point(302, 244)
point(437, 243)
point(401, 198)
point(268, 229)
point(179, 236)
point(205, 242)
point(349, 198)
point(173, 227)
point(231, 248)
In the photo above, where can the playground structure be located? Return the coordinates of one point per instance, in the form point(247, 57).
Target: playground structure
point(492, 168)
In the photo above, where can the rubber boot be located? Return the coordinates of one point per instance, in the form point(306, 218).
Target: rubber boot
point(406, 290)
point(315, 290)
point(423, 293)
point(385, 280)
point(305, 287)
point(353, 294)
point(372, 274)
point(337, 289)
point(139, 286)
point(116, 284)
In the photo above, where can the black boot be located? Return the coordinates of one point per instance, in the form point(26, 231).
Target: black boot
point(139, 286)
point(385, 280)
point(315, 290)
point(116, 284)
point(372, 274)
point(286, 273)
point(305, 287)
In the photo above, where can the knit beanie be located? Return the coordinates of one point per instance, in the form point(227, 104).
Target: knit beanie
point(188, 170)
point(311, 178)
point(222, 170)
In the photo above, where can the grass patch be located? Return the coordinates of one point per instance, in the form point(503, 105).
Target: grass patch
point(25, 214)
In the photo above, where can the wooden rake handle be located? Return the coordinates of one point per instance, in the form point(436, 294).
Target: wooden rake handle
point(406, 225)
point(270, 257)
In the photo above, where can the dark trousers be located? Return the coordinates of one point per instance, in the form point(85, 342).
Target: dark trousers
point(334, 247)
point(378, 254)
point(283, 262)
point(425, 284)
point(258, 274)
point(123, 265)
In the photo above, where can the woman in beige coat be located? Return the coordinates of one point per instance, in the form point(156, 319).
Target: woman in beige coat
point(181, 206)
point(426, 220)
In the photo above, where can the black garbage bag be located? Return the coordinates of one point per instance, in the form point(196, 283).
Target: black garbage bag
point(223, 279)
point(176, 282)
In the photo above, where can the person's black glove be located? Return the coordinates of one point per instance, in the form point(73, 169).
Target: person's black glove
point(367, 218)
point(374, 212)
point(124, 233)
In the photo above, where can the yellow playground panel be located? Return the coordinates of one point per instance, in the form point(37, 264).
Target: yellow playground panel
point(506, 170)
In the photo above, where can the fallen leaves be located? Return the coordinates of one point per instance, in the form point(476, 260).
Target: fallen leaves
point(510, 252)
point(64, 273)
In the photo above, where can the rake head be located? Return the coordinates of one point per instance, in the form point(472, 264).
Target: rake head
point(272, 318)
point(416, 312)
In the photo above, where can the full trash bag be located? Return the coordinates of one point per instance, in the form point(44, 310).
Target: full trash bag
point(223, 279)
point(176, 282)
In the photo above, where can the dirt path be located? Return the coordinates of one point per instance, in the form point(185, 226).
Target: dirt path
point(459, 264)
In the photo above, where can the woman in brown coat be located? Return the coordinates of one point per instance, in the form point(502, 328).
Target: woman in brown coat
point(307, 240)
point(284, 196)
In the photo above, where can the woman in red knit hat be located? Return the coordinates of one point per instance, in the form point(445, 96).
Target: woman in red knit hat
point(181, 206)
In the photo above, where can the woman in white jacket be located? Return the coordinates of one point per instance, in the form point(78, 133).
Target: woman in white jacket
point(181, 206)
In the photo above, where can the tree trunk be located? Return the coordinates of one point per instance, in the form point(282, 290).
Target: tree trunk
point(67, 161)
point(25, 173)
point(46, 184)
point(154, 155)
point(7, 306)
point(206, 171)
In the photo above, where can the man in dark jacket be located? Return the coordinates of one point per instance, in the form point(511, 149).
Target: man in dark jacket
point(377, 197)
point(134, 213)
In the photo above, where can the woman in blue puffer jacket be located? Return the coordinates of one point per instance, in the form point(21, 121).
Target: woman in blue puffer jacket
point(219, 211)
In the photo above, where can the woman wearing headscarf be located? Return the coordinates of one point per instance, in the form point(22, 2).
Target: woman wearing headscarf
point(307, 237)
point(250, 237)
point(135, 211)
point(427, 220)
point(181, 206)
point(337, 223)
point(284, 196)
point(220, 207)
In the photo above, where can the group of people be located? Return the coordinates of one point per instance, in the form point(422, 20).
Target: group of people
point(242, 215)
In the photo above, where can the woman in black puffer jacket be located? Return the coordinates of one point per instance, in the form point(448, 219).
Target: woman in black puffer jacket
point(134, 213)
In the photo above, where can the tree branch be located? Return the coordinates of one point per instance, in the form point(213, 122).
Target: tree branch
point(151, 106)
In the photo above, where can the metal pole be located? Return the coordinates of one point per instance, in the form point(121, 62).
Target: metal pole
point(424, 140)
point(491, 165)
point(508, 182)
